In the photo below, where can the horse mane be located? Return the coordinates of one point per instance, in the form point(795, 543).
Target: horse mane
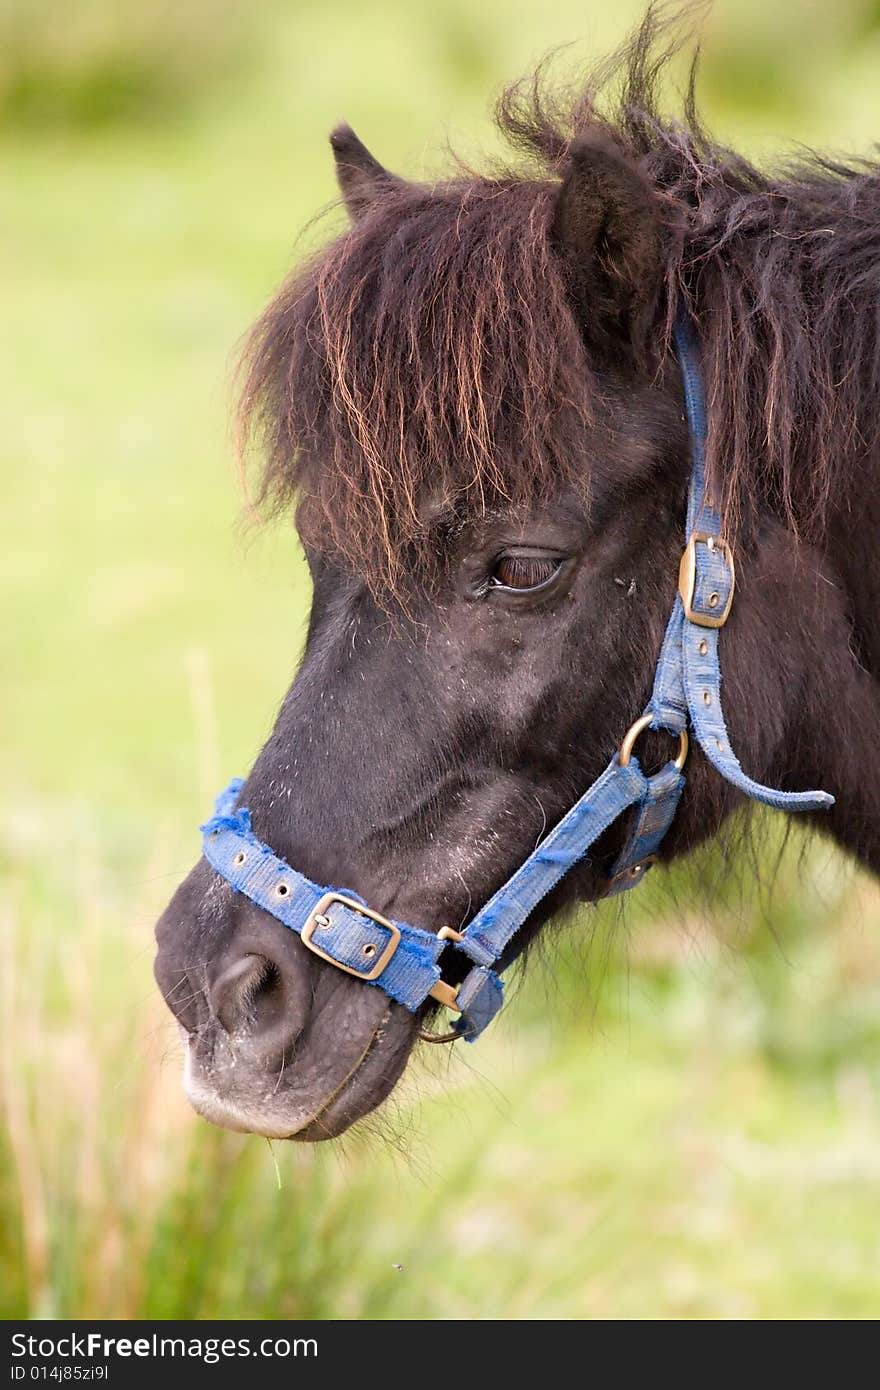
point(430, 352)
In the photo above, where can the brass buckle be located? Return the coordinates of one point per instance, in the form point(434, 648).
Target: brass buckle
point(318, 918)
point(687, 578)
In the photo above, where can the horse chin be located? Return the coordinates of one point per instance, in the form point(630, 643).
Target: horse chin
point(308, 1099)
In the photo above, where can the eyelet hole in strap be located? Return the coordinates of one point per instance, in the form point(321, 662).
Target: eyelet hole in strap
point(707, 698)
point(368, 951)
point(703, 647)
point(282, 890)
point(240, 857)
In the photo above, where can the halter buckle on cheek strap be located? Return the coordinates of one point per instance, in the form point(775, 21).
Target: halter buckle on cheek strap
point(402, 960)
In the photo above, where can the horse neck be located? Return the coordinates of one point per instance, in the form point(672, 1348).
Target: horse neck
point(850, 543)
point(837, 726)
point(788, 300)
point(825, 467)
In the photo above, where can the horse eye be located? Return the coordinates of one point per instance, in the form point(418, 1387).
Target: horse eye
point(524, 572)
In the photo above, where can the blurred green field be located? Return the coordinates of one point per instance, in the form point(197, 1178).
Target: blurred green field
point(679, 1114)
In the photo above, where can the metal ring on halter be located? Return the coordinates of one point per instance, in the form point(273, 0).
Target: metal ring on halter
point(644, 722)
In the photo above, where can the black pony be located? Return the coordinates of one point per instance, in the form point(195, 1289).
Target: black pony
point(472, 398)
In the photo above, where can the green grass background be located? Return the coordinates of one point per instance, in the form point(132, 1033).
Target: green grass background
point(678, 1115)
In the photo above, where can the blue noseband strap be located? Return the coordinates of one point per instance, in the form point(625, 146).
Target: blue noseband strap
point(404, 961)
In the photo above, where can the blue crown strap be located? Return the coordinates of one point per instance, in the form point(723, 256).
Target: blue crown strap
point(695, 663)
point(701, 511)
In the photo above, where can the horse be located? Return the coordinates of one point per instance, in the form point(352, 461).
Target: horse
point(477, 403)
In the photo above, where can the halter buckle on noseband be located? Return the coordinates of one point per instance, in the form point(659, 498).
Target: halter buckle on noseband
point(318, 920)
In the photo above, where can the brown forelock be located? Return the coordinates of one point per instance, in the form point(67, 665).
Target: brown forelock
point(430, 353)
point(428, 357)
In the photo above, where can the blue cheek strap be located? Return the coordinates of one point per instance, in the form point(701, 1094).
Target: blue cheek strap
point(404, 961)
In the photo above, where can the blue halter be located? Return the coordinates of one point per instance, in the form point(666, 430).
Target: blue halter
point(403, 960)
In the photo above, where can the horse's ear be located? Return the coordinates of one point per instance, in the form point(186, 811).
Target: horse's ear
point(361, 177)
point(607, 231)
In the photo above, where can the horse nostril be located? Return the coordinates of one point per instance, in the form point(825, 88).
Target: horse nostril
point(236, 993)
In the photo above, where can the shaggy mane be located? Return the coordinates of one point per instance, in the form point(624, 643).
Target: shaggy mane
point(430, 353)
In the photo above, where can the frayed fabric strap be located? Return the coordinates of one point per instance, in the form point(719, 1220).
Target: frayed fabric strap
point(351, 938)
point(687, 686)
point(496, 923)
point(404, 961)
